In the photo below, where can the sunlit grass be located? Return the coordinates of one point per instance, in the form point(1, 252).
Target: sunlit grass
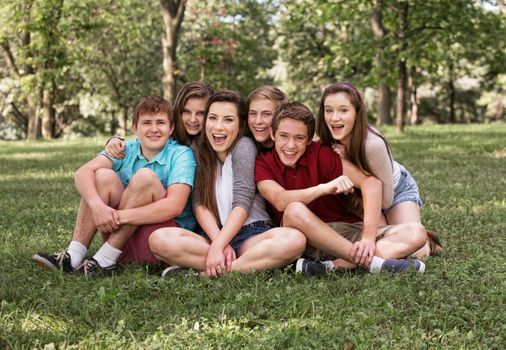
point(458, 303)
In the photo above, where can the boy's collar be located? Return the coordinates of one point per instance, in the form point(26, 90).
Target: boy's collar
point(158, 157)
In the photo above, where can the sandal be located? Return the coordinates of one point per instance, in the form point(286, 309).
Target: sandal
point(435, 245)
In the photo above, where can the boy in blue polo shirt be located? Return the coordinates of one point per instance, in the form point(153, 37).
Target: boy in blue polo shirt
point(127, 199)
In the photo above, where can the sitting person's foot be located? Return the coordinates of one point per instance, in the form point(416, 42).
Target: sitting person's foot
point(310, 267)
point(54, 262)
point(175, 270)
point(91, 268)
point(396, 266)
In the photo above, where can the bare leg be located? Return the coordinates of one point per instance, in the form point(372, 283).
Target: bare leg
point(270, 250)
point(144, 188)
point(401, 241)
point(177, 246)
point(408, 212)
point(318, 234)
point(110, 189)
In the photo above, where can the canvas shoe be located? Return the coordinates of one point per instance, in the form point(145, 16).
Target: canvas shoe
point(178, 270)
point(91, 268)
point(397, 266)
point(54, 262)
point(310, 267)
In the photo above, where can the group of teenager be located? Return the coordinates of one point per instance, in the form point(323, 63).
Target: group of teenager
point(219, 183)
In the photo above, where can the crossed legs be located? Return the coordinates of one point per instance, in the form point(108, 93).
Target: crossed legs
point(398, 242)
point(272, 249)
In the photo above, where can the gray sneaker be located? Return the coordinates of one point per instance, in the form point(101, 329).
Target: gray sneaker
point(396, 266)
point(310, 267)
point(54, 262)
point(178, 270)
point(91, 268)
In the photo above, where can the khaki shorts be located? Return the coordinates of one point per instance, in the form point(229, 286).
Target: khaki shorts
point(352, 232)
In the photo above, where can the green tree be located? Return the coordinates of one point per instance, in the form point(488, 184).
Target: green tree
point(228, 43)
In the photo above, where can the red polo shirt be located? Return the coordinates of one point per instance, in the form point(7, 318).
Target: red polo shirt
point(319, 164)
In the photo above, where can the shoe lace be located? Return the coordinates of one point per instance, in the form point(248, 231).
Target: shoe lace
point(89, 265)
point(59, 257)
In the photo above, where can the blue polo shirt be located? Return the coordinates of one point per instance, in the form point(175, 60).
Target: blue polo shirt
point(174, 164)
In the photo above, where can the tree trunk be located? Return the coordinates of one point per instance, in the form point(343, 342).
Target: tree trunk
point(401, 80)
point(401, 89)
point(48, 114)
point(384, 96)
point(498, 109)
point(414, 101)
point(113, 124)
point(123, 122)
point(34, 126)
point(452, 94)
point(173, 13)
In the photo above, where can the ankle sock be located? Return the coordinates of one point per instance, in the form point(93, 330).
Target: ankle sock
point(376, 264)
point(107, 255)
point(77, 252)
point(329, 264)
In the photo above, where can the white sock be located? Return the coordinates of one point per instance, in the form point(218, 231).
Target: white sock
point(376, 264)
point(329, 264)
point(77, 252)
point(107, 255)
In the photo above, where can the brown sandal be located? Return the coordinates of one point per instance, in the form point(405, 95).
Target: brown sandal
point(435, 245)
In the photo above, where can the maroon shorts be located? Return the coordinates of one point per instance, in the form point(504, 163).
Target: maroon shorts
point(137, 248)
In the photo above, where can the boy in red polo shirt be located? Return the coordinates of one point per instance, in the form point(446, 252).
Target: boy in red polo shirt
point(305, 181)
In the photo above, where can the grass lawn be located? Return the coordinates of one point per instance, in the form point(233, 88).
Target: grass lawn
point(458, 303)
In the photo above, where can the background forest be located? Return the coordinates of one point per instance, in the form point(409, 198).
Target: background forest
point(70, 68)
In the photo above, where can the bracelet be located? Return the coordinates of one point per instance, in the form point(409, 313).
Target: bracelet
point(114, 137)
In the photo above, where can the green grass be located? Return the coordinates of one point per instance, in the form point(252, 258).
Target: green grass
point(458, 303)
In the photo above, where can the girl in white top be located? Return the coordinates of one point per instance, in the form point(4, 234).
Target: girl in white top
point(237, 234)
point(342, 124)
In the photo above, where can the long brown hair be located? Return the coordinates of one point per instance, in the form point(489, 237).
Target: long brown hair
point(356, 151)
point(207, 157)
point(195, 89)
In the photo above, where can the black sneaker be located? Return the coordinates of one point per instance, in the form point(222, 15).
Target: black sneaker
point(310, 267)
point(91, 268)
point(178, 270)
point(396, 266)
point(54, 262)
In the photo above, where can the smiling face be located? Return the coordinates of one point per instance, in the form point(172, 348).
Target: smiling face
point(340, 116)
point(193, 115)
point(290, 141)
point(222, 127)
point(153, 131)
point(260, 115)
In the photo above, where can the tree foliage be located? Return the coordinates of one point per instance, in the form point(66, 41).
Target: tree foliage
point(80, 66)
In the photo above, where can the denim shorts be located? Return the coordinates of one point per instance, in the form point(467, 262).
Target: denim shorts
point(246, 232)
point(405, 191)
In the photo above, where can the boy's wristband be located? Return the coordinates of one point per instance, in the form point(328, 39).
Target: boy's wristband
point(114, 137)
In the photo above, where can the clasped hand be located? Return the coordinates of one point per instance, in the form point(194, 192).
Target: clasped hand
point(106, 219)
point(219, 260)
point(362, 252)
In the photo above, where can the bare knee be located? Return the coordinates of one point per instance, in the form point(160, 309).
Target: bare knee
point(296, 242)
point(143, 180)
point(163, 241)
point(105, 178)
point(294, 214)
point(418, 234)
point(288, 243)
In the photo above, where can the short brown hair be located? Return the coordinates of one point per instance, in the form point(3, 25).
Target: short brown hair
point(295, 111)
point(152, 105)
